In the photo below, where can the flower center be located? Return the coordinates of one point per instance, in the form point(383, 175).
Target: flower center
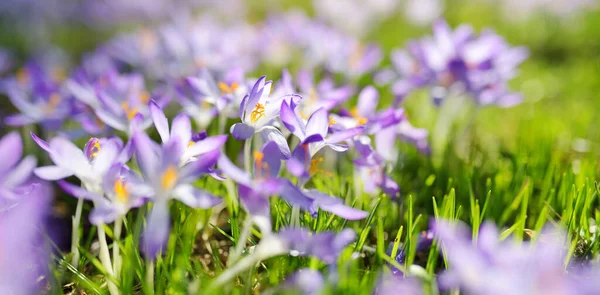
point(227, 89)
point(169, 178)
point(121, 191)
point(259, 165)
point(22, 76)
point(144, 97)
point(331, 121)
point(361, 120)
point(314, 167)
point(257, 113)
point(53, 101)
point(129, 111)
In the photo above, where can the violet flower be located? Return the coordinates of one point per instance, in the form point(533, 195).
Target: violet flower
point(122, 190)
point(257, 110)
point(306, 281)
point(254, 192)
point(37, 94)
point(209, 96)
point(371, 167)
point(90, 165)
point(314, 131)
point(456, 62)
point(165, 179)
point(120, 101)
point(181, 130)
point(491, 266)
point(320, 95)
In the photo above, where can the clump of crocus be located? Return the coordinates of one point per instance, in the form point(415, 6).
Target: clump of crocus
point(457, 62)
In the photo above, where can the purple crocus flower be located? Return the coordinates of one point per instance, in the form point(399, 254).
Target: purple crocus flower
point(321, 95)
point(491, 266)
point(166, 179)
point(24, 254)
point(120, 101)
point(257, 110)
point(455, 62)
point(90, 165)
point(314, 131)
point(122, 190)
point(209, 95)
point(371, 167)
point(254, 192)
point(181, 130)
point(14, 172)
point(36, 92)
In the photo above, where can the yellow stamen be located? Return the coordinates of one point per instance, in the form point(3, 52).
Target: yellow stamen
point(227, 89)
point(58, 74)
point(257, 113)
point(131, 112)
point(22, 76)
point(169, 178)
point(191, 143)
point(95, 149)
point(260, 164)
point(331, 121)
point(53, 102)
point(121, 191)
point(312, 96)
point(144, 97)
point(357, 117)
point(314, 167)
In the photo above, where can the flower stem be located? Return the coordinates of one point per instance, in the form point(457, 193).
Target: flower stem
point(116, 255)
point(75, 233)
point(105, 259)
point(248, 155)
point(149, 277)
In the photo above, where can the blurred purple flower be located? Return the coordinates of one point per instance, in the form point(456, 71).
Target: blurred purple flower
point(25, 255)
point(37, 93)
point(208, 95)
point(455, 62)
point(391, 284)
point(371, 167)
point(491, 266)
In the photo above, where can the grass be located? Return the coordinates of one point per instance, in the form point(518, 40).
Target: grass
point(523, 168)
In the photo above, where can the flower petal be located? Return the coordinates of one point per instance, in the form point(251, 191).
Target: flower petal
point(270, 133)
point(291, 120)
point(206, 145)
point(318, 123)
point(11, 149)
point(156, 233)
point(195, 198)
point(233, 172)
point(241, 131)
point(160, 121)
point(145, 154)
point(293, 195)
point(78, 191)
point(336, 206)
point(52, 172)
point(368, 99)
point(344, 134)
point(42, 143)
point(182, 129)
point(200, 166)
point(21, 172)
